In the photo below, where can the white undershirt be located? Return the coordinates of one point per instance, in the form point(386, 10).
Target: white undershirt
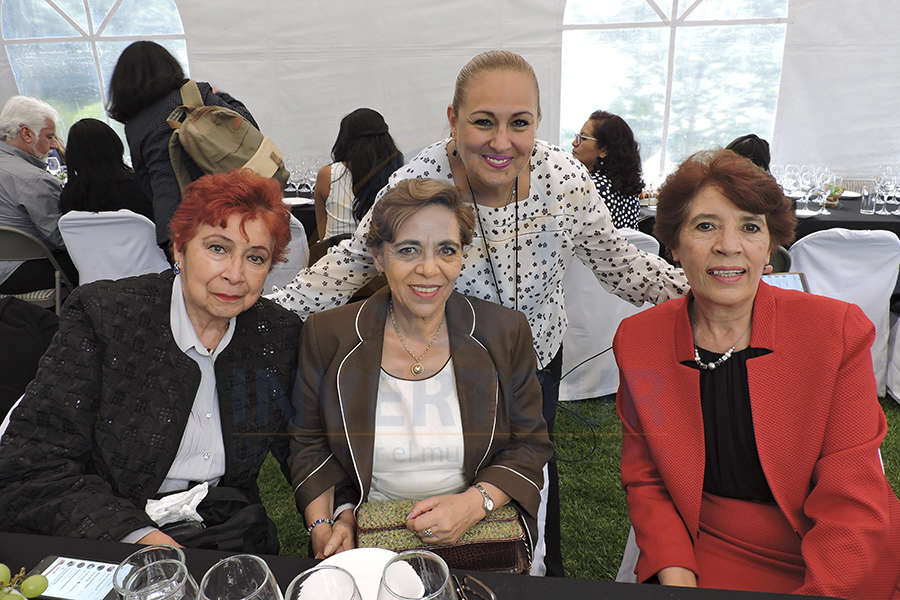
point(419, 446)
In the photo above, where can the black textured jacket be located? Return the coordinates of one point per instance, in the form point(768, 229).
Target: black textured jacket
point(101, 423)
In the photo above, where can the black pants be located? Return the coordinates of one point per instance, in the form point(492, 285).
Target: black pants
point(38, 274)
point(549, 377)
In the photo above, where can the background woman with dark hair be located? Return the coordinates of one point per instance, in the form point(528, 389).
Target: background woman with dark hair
point(98, 179)
point(143, 90)
point(606, 146)
point(364, 156)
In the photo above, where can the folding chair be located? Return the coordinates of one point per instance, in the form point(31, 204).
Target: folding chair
point(16, 244)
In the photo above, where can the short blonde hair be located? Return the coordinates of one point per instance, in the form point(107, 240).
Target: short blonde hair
point(492, 60)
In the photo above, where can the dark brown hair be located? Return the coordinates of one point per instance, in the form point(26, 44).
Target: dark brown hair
point(735, 177)
point(407, 198)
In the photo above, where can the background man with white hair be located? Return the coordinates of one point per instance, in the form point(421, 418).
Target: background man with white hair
point(29, 196)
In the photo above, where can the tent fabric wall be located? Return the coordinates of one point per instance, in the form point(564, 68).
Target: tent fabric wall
point(839, 103)
point(301, 66)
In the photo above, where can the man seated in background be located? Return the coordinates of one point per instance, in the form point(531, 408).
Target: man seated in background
point(29, 195)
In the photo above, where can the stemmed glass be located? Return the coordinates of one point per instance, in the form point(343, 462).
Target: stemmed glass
point(53, 166)
point(325, 581)
point(143, 557)
point(805, 185)
point(824, 181)
point(882, 191)
point(240, 577)
point(161, 580)
point(416, 574)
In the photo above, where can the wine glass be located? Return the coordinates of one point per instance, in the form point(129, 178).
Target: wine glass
point(240, 577)
point(161, 580)
point(143, 557)
point(324, 581)
point(53, 166)
point(881, 193)
point(806, 186)
point(418, 574)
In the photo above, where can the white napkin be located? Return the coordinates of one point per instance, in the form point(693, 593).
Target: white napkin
point(177, 507)
point(404, 580)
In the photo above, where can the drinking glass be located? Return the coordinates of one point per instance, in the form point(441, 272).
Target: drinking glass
point(143, 557)
point(416, 574)
point(866, 202)
point(881, 193)
point(240, 577)
point(53, 166)
point(161, 580)
point(325, 581)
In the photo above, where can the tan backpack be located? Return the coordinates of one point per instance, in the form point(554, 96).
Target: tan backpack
point(218, 139)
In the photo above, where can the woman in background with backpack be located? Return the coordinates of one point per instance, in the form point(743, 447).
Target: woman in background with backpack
point(364, 156)
point(143, 90)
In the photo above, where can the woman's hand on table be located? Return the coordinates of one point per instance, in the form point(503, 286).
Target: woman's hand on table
point(158, 538)
point(330, 539)
point(446, 517)
point(677, 576)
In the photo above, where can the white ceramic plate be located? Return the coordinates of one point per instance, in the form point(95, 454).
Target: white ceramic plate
point(366, 566)
point(850, 194)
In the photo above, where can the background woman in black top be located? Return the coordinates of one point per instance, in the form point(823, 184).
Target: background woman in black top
point(98, 178)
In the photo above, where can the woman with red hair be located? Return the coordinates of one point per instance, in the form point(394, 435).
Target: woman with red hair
point(164, 383)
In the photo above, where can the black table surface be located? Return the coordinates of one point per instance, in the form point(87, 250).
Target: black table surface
point(25, 550)
point(847, 216)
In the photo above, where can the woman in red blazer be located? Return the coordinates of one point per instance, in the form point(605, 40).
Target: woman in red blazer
point(751, 426)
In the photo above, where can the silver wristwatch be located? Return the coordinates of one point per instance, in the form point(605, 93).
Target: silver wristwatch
point(486, 502)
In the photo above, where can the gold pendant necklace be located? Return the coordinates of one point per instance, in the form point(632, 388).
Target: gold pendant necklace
point(416, 368)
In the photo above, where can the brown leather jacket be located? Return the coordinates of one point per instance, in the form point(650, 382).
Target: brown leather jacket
point(506, 441)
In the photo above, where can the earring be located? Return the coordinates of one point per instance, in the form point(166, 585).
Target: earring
point(175, 268)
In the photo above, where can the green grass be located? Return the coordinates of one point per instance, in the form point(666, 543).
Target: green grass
point(594, 517)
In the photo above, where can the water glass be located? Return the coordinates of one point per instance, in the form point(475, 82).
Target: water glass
point(53, 166)
point(866, 203)
point(324, 581)
point(416, 574)
point(143, 557)
point(161, 580)
point(240, 577)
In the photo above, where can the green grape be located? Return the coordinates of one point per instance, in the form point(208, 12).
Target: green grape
point(34, 586)
point(4, 575)
point(10, 596)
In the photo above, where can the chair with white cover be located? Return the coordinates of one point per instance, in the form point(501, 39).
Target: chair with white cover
point(297, 258)
point(893, 366)
point(111, 244)
point(854, 266)
point(16, 244)
point(589, 367)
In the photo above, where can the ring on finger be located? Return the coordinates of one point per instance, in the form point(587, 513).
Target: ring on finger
point(428, 532)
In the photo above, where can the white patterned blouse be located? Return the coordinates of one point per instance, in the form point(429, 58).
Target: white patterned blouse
point(562, 217)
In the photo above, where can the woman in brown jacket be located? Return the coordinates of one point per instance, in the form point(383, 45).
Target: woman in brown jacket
point(419, 392)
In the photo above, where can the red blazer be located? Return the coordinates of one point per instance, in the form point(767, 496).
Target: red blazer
point(818, 427)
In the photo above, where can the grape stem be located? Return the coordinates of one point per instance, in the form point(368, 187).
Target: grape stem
point(17, 579)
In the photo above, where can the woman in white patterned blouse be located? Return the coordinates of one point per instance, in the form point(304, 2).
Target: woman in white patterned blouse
point(606, 146)
point(536, 208)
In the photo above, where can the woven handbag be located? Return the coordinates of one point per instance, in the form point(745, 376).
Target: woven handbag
point(496, 543)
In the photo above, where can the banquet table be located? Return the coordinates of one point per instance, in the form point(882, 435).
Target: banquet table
point(847, 216)
point(27, 550)
point(304, 209)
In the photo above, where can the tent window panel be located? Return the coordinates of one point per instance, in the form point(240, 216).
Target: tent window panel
point(143, 17)
point(26, 19)
point(61, 74)
point(714, 101)
point(715, 10)
point(622, 11)
point(622, 71)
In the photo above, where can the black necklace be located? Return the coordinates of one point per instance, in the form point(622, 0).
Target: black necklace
point(487, 252)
